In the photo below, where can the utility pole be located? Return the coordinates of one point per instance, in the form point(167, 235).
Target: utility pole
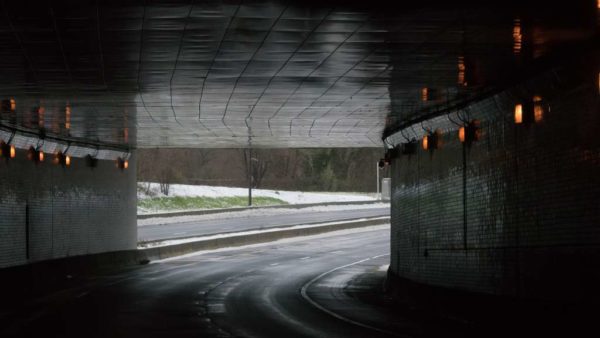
point(249, 163)
point(378, 166)
point(377, 170)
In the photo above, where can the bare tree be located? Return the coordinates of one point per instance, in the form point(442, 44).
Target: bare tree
point(164, 183)
point(164, 168)
point(306, 169)
point(256, 164)
point(259, 169)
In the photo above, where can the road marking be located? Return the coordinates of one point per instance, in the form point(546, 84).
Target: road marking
point(304, 293)
point(304, 258)
point(383, 267)
point(215, 308)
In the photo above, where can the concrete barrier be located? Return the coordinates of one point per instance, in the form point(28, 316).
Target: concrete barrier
point(168, 251)
point(279, 206)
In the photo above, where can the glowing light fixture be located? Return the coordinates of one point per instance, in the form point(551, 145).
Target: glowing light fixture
point(35, 155)
point(4, 148)
point(7, 150)
point(31, 154)
point(433, 140)
point(425, 94)
point(122, 163)
point(68, 117)
point(41, 112)
point(62, 158)
point(470, 132)
point(518, 113)
point(57, 158)
point(517, 37)
point(13, 104)
point(461, 71)
point(538, 109)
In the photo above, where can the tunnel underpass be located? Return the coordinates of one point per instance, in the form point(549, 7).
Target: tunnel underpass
point(485, 114)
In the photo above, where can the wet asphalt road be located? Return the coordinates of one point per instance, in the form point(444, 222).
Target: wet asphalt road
point(291, 288)
point(217, 226)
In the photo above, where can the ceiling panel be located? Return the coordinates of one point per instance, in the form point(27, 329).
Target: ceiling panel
point(262, 73)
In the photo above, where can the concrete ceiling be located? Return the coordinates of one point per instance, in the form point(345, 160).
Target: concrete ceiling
point(266, 73)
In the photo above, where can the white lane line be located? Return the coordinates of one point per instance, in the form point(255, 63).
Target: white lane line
point(304, 258)
point(304, 293)
point(215, 308)
point(83, 294)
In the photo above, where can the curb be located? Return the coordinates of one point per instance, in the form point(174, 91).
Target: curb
point(282, 206)
point(168, 251)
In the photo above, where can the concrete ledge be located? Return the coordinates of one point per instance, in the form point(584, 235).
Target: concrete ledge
point(254, 238)
point(282, 206)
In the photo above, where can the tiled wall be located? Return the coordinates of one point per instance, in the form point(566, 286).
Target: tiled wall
point(522, 217)
point(47, 211)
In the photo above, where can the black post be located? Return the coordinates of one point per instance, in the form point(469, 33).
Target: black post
point(465, 209)
point(26, 230)
point(249, 176)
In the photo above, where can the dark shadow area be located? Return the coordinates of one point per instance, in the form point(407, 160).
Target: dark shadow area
point(451, 312)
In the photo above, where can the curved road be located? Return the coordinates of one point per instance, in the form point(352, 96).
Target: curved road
point(254, 222)
point(290, 288)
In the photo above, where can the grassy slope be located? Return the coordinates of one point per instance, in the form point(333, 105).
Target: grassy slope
point(185, 203)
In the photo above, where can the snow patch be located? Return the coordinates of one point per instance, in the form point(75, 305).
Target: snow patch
point(291, 197)
point(383, 267)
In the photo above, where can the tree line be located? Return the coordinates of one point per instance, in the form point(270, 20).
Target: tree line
point(314, 169)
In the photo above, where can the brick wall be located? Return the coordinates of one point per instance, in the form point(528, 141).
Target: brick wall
point(517, 213)
point(67, 211)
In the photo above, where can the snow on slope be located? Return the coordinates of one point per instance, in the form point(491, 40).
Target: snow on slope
point(291, 197)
